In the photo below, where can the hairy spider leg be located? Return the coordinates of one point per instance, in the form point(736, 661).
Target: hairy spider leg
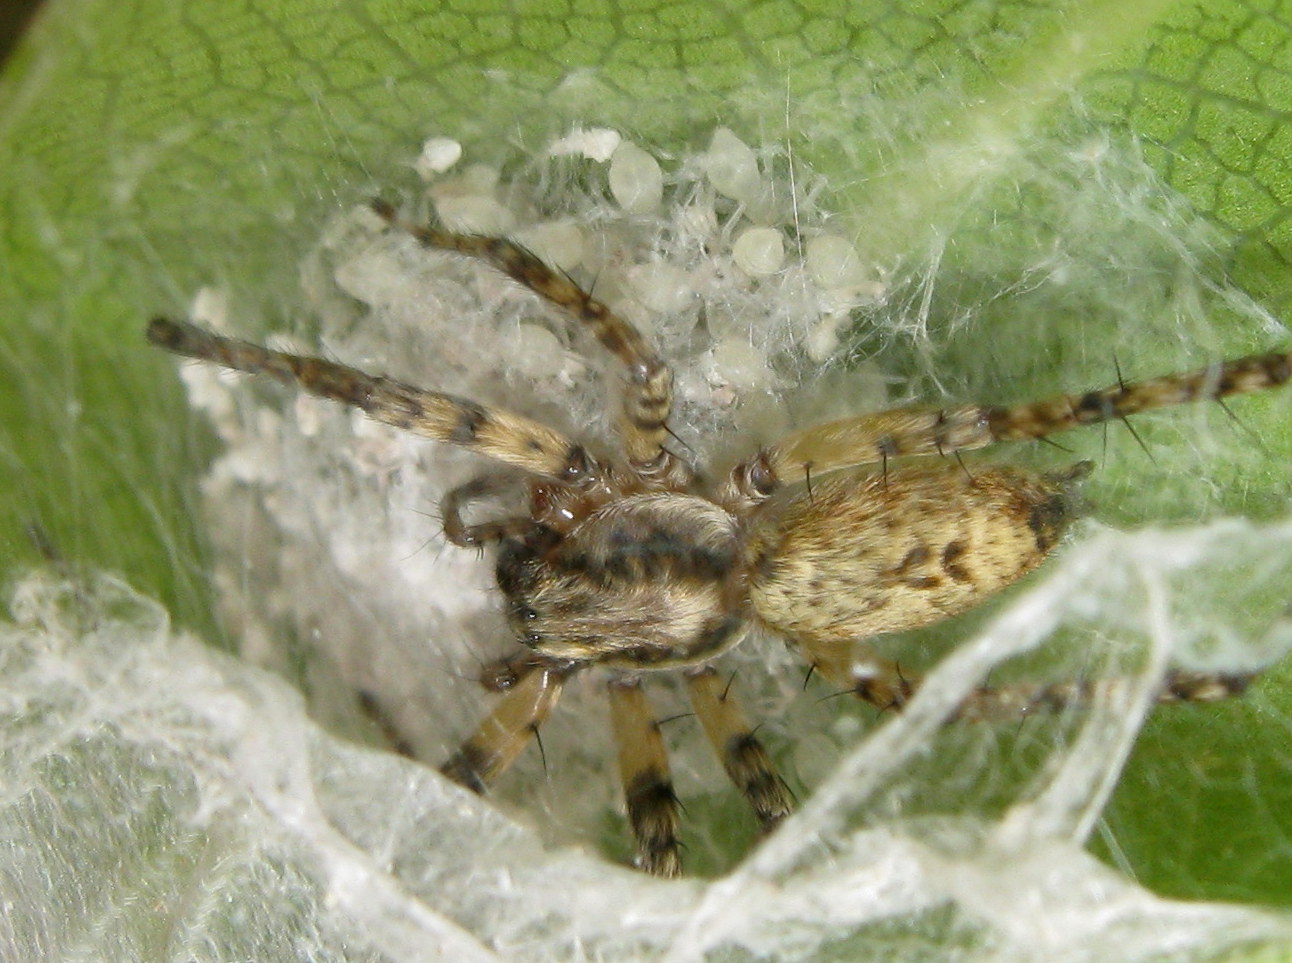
point(743, 756)
point(917, 430)
point(648, 788)
point(498, 434)
point(648, 400)
point(507, 729)
point(885, 685)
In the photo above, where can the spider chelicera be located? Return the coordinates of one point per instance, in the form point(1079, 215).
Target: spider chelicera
point(830, 536)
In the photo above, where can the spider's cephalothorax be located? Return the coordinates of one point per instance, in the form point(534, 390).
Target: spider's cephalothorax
point(646, 581)
point(636, 564)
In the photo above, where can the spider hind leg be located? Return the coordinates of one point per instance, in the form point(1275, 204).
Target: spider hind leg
point(885, 685)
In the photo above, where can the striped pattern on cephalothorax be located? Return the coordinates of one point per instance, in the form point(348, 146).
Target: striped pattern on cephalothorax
point(645, 582)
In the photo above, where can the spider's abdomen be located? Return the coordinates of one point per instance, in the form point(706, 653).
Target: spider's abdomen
point(862, 555)
point(646, 581)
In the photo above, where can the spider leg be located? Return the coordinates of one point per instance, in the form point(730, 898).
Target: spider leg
point(856, 669)
point(648, 400)
point(506, 437)
point(742, 755)
point(884, 685)
point(506, 730)
point(648, 788)
point(915, 430)
point(373, 710)
point(1018, 701)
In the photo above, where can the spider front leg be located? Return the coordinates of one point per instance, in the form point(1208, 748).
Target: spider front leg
point(648, 396)
point(508, 729)
point(506, 437)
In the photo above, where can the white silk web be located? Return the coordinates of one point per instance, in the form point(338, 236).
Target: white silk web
point(913, 841)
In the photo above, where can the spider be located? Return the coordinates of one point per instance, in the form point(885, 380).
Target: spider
point(637, 563)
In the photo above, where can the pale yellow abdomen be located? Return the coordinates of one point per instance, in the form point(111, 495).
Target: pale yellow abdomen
point(864, 554)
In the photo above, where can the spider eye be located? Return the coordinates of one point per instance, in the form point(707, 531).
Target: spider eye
point(533, 638)
point(523, 613)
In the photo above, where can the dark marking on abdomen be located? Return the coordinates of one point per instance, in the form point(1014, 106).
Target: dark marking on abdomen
point(916, 557)
point(951, 556)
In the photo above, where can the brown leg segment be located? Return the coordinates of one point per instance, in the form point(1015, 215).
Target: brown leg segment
point(649, 397)
point(507, 730)
point(875, 438)
point(742, 755)
point(648, 789)
point(508, 438)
